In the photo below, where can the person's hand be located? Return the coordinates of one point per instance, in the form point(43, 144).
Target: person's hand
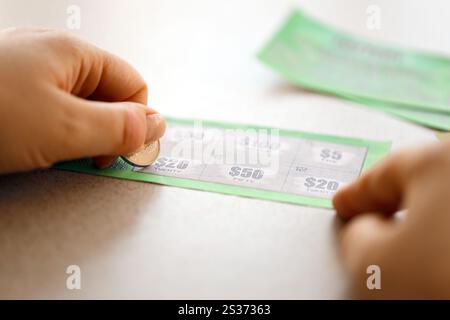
point(62, 98)
point(413, 251)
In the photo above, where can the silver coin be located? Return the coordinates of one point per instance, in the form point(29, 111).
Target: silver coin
point(144, 156)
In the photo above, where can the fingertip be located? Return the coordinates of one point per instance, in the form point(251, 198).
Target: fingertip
point(143, 125)
point(336, 200)
point(341, 204)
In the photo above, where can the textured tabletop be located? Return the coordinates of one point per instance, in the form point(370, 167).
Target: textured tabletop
point(138, 240)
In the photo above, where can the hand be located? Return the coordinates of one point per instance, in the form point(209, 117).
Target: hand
point(413, 253)
point(62, 98)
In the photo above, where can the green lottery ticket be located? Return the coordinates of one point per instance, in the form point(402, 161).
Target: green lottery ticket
point(316, 56)
point(430, 119)
point(435, 120)
point(251, 161)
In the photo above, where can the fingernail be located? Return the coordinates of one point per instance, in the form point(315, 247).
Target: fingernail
point(153, 123)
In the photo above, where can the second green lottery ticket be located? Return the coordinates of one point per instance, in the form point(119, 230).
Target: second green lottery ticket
point(406, 83)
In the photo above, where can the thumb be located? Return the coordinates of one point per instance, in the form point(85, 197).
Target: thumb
point(100, 128)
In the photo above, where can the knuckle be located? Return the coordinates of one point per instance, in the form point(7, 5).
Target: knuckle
point(60, 35)
point(64, 42)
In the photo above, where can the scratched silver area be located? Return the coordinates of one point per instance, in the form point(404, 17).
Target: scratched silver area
point(298, 166)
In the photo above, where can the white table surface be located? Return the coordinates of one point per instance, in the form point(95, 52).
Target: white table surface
point(138, 240)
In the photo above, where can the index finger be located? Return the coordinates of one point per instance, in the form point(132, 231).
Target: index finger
point(109, 78)
point(88, 71)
